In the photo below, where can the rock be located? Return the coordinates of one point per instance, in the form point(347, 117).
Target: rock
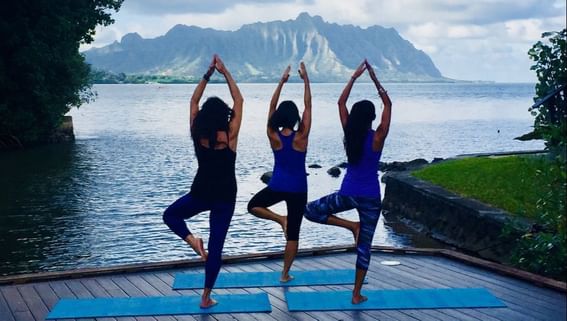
point(334, 171)
point(436, 160)
point(63, 133)
point(343, 165)
point(393, 166)
point(266, 177)
point(417, 162)
point(314, 166)
point(402, 166)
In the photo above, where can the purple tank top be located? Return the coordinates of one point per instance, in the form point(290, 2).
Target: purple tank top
point(361, 179)
point(289, 173)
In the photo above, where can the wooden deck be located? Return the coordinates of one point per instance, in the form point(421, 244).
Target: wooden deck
point(32, 301)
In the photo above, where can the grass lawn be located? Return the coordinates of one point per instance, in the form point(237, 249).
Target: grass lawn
point(513, 183)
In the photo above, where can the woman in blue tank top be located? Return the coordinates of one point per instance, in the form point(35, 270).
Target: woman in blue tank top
point(360, 188)
point(214, 130)
point(289, 178)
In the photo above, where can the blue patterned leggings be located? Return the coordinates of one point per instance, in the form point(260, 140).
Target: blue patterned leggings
point(368, 210)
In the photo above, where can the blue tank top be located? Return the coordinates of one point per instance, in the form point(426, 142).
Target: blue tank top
point(362, 179)
point(289, 173)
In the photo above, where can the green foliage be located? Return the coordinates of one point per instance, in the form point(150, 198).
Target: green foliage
point(551, 69)
point(105, 77)
point(42, 73)
point(543, 250)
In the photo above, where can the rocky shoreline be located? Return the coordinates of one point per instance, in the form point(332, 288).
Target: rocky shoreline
point(335, 171)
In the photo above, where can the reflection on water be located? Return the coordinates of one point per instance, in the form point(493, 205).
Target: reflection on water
point(98, 201)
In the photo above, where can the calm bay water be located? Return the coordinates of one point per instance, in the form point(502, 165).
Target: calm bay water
point(98, 201)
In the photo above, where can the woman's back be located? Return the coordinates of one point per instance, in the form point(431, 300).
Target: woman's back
point(215, 179)
point(289, 173)
point(361, 179)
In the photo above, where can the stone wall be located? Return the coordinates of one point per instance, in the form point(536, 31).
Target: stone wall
point(464, 223)
point(63, 133)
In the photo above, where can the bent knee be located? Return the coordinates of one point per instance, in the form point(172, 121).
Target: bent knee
point(168, 216)
point(312, 214)
point(253, 209)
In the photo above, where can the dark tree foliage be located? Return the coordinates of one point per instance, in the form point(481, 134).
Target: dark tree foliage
point(551, 68)
point(543, 249)
point(42, 73)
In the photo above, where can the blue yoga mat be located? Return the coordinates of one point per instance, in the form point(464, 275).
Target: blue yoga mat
point(149, 306)
point(265, 279)
point(393, 299)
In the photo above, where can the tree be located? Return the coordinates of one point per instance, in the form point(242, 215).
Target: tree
point(42, 73)
point(543, 250)
point(550, 110)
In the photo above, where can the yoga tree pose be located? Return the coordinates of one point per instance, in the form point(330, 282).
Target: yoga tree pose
point(289, 179)
point(214, 130)
point(360, 188)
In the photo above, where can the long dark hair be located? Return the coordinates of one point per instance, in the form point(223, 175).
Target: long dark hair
point(359, 121)
point(286, 116)
point(214, 116)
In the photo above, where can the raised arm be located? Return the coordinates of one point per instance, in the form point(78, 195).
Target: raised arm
point(343, 111)
point(198, 93)
point(275, 99)
point(382, 130)
point(234, 125)
point(305, 125)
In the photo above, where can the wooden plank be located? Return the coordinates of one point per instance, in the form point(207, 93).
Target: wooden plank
point(5, 312)
point(323, 263)
point(409, 278)
point(114, 291)
point(61, 290)
point(521, 287)
point(167, 277)
point(147, 290)
point(131, 291)
point(140, 267)
point(439, 314)
point(33, 301)
point(14, 299)
point(304, 263)
point(98, 292)
point(23, 316)
point(276, 314)
point(537, 305)
point(507, 270)
point(275, 292)
point(165, 290)
point(276, 297)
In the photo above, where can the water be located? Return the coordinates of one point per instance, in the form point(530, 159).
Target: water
point(98, 202)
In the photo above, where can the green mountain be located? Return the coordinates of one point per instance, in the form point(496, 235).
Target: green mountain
point(260, 51)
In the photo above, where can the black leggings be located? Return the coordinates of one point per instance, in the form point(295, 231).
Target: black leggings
point(295, 203)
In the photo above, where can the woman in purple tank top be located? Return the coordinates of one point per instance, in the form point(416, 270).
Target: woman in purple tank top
point(289, 178)
point(360, 188)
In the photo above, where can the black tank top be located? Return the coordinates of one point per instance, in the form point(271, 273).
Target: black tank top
point(215, 179)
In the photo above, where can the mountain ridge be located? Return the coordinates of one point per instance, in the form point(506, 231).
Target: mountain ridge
point(260, 51)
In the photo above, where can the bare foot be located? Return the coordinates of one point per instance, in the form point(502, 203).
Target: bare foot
point(196, 244)
point(357, 299)
point(356, 232)
point(207, 303)
point(285, 279)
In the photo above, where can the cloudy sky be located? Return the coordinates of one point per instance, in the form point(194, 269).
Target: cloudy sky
point(470, 40)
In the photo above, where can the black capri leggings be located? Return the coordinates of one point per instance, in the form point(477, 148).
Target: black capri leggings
point(295, 203)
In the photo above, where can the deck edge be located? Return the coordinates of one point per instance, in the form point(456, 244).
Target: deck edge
point(148, 267)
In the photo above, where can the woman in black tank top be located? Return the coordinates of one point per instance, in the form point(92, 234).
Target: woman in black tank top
point(214, 130)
